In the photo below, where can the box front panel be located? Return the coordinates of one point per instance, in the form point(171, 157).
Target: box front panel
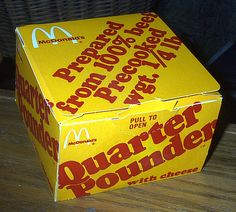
point(41, 126)
point(97, 156)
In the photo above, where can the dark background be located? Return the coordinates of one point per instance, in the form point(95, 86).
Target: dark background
point(207, 27)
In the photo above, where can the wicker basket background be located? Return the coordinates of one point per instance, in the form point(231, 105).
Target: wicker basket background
point(15, 13)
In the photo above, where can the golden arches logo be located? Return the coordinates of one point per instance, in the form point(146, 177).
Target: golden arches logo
point(77, 136)
point(50, 35)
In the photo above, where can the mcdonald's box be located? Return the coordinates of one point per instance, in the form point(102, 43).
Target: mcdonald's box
point(113, 102)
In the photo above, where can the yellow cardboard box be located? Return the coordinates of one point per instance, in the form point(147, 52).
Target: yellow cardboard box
point(113, 102)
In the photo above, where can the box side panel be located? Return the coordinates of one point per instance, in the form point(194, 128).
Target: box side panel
point(40, 123)
point(101, 155)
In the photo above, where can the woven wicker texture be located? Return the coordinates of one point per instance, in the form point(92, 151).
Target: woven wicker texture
point(15, 13)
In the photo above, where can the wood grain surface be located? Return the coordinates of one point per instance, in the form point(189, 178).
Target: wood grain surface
point(23, 186)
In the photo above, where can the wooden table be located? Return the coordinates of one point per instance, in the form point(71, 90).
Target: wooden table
point(23, 186)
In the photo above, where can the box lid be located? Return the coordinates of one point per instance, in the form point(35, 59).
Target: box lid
point(110, 63)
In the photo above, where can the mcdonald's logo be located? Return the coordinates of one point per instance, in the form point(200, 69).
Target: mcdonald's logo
point(81, 137)
point(52, 37)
